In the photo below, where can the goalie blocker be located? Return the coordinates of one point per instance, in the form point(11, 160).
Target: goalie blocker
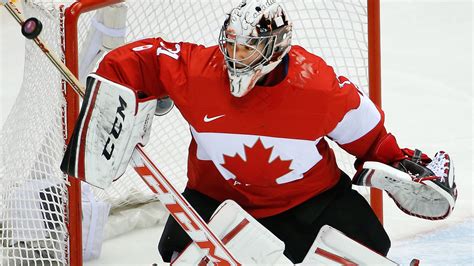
point(112, 121)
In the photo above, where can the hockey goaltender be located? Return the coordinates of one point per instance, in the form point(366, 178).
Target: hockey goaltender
point(258, 151)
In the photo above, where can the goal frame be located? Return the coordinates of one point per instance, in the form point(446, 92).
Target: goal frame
point(71, 50)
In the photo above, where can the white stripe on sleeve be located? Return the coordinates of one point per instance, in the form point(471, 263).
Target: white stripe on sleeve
point(357, 122)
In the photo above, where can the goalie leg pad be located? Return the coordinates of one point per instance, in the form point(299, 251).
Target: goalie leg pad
point(247, 240)
point(332, 247)
point(112, 121)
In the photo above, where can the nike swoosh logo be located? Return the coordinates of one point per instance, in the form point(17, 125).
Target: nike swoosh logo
point(210, 119)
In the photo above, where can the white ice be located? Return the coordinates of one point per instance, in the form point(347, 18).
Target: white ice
point(427, 98)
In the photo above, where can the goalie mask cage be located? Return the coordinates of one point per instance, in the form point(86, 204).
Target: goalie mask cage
point(40, 207)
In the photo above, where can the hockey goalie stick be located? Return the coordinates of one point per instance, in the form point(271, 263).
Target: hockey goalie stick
point(176, 204)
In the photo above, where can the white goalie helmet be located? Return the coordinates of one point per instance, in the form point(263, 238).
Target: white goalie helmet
point(254, 39)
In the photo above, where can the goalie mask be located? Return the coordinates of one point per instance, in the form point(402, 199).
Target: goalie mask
point(254, 39)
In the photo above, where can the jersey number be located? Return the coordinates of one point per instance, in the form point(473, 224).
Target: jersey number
point(166, 51)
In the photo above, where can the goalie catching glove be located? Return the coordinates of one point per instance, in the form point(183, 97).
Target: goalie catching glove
point(420, 187)
point(112, 121)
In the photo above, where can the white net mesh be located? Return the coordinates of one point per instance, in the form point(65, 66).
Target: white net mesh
point(33, 195)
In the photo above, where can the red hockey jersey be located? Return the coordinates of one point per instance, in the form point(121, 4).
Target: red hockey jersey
point(265, 150)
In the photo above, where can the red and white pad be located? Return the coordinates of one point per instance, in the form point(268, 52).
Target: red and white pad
point(247, 240)
point(112, 121)
point(332, 247)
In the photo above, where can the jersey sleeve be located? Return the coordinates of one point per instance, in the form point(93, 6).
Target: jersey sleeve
point(356, 124)
point(149, 66)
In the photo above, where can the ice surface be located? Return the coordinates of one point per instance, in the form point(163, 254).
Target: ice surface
point(451, 245)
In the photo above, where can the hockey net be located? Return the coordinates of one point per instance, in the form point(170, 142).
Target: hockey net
point(33, 191)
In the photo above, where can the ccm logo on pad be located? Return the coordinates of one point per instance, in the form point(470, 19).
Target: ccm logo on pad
point(116, 129)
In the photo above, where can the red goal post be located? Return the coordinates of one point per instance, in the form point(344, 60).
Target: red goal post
point(71, 55)
point(313, 22)
point(375, 82)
